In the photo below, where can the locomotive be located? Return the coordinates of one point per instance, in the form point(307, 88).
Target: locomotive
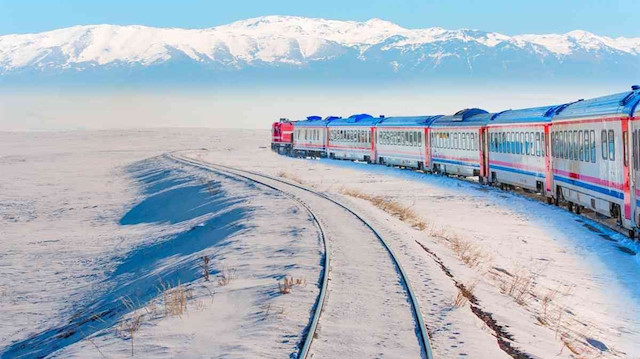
point(584, 153)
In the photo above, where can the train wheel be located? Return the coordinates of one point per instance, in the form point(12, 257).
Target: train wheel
point(549, 200)
point(632, 234)
point(570, 206)
point(578, 209)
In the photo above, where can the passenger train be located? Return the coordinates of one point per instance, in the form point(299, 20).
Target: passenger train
point(584, 153)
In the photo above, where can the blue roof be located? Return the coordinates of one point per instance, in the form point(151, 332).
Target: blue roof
point(315, 121)
point(466, 117)
point(623, 103)
point(535, 114)
point(407, 121)
point(355, 120)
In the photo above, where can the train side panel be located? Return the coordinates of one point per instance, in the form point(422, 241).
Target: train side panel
point(456, 150)
point(517, 155)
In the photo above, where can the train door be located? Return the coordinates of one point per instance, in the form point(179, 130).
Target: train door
point(626, 176)
point(427, 149)
point(634, 163)
point(373, 139)
point(483, 148)
point(548, 163)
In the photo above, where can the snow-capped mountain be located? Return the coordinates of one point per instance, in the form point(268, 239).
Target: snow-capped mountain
point(374, 47)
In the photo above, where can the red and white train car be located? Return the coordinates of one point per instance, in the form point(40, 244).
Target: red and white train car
point(592, 158)
point(456, 143)
point(404, 141)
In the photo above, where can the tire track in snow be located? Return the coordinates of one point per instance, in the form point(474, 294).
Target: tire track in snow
point(370, 302)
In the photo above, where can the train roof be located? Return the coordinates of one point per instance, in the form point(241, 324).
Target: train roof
point(466, 117)
point(407, 121)
point(355, 120)
point(526, 115)
point(624, 103)
point(315, 121)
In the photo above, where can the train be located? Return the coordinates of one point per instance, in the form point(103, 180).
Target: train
point(585, 154)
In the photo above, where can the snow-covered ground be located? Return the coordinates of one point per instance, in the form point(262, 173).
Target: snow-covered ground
point(95, 226)
point(89, 217)
point(580, 282)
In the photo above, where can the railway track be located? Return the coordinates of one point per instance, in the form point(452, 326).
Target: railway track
point(341, 306)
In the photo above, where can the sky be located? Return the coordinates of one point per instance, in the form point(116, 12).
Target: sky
point(512, 17)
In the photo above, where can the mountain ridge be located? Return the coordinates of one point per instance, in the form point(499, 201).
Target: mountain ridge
point(336, 46)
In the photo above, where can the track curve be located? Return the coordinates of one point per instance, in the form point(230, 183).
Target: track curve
point(312, 327)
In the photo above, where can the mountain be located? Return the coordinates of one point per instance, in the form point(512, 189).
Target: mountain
point(288, 47)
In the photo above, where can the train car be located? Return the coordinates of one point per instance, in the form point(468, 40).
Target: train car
point(352, 138)
point(592, 157)
point(403, 141)
point(310, 137)
point(635, 154)
point(281, 136)
point(456, 143)
point(518, 147)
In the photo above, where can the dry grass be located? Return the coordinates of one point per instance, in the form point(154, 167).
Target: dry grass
point(130, 327)
point(469, 253)
point(205, 268)
point(289, 282)
point(175, 299)
point(465, 294)
point(226, 276)
point(404, 213)
point(460, 300)
point(289, 176)
point(519, 286)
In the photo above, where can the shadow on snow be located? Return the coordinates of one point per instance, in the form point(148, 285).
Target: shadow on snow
point(172, 197)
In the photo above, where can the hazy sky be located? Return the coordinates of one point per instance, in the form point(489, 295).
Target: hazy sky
point(604, 17)
point(260, 107)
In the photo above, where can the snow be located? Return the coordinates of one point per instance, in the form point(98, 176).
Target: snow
point(91, 219)
point(66, 235)
point(596, 283)
point(267, 39)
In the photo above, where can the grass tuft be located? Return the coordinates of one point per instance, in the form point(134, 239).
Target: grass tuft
point(404, 213)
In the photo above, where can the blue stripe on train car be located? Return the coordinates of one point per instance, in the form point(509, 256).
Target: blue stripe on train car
point(435, 159)
point(391, 155)
point(591, 187)
point(516, 170)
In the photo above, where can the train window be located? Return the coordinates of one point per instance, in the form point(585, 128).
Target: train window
point(612, 147)
point(512, 142)
point(570, 140)
point(527, 146)
point(508, 143)
point(585, 143)
point(531, 141)
point(543, 143)
point(593, 146)
point(574, 138)
point(537, 145)
point(581, 148)
point(520, 144)
point(503, 144)
point(605, 149)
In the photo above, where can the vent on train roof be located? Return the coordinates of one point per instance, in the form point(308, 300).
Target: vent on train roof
point(495, 115)
point(627, 98)
point(284, 120)
point(561, 108)
point(466, 113)
point(358, 117)
point(331, 118)
point(635, 87)
point(314, 118)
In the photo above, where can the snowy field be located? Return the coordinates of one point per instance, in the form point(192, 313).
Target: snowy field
point(99, 232)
